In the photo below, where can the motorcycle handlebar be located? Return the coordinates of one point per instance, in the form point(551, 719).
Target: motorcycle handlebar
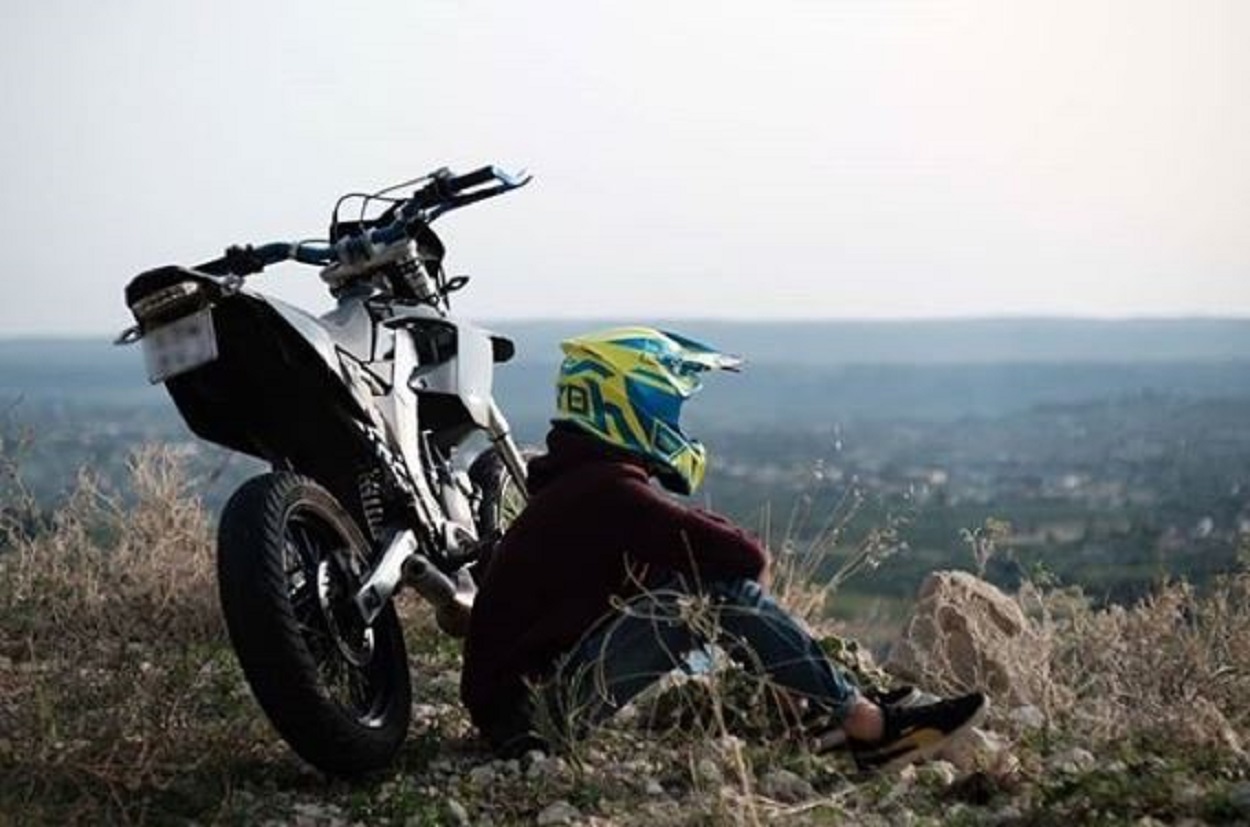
point(472, 179)
point(444, 193)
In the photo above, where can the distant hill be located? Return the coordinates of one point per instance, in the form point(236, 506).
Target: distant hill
point(90, 370)
point(927, 342)
point(805, 372)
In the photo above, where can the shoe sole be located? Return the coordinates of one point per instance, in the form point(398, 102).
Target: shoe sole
point(836, 740)
point(929, 750)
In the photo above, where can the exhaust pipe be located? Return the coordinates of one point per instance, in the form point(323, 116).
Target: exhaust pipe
point(452, 599)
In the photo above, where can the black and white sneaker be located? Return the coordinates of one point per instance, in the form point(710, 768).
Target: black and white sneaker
point(831, 739)
point(899, 696)
point(914, 733)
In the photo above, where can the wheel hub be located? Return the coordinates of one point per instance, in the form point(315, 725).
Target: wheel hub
point(353, 638)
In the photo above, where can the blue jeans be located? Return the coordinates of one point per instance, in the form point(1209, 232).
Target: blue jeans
point(654, 633)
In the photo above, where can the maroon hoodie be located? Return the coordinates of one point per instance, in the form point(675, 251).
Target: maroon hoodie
point(594, 528)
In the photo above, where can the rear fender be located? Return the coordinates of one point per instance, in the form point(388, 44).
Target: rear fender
point(276, 389)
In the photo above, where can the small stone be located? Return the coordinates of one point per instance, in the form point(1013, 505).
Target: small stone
point(1072, 762)
point(1188, 795)
point(708, 771)
point(425, 712)
point(559, 812)
point(456, 812)
point(309, 814)
point(786, 787)
point(1007, 814)
point(654, 788)
point(512, 767)
point(938, 773)
point(483, 775)
point(976, 749)
point(540, 766)
point(1028, 717)
point(1239, 798)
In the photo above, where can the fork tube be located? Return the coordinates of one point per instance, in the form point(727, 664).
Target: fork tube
point(501, 437)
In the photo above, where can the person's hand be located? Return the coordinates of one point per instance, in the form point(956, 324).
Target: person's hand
point(766, 575)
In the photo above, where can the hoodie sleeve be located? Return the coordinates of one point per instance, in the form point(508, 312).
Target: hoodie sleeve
point(661, 532)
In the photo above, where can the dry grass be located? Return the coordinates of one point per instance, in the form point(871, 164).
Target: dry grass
point(1176, 666)
point(1172, 669)
point(120, 701)
point(115, 675)
point(813, 555)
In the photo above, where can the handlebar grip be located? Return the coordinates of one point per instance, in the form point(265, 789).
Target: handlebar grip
point(247, 260)
point(476, 178)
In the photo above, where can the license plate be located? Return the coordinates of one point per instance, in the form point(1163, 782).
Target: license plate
point(180, 346)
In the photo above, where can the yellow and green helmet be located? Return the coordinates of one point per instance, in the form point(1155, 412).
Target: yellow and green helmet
point(626, 386)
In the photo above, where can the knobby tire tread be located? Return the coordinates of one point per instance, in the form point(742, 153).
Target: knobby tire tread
point(267, 639)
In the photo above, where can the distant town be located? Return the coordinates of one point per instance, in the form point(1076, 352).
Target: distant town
point(1110, 476)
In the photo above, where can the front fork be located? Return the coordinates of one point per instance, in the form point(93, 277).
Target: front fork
point(402, 561)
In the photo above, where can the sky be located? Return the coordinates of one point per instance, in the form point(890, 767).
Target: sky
point(742, 160)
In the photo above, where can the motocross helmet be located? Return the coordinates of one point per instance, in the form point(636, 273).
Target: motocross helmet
point(626, 386)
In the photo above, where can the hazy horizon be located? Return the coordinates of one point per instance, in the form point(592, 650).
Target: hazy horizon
point(800, 321)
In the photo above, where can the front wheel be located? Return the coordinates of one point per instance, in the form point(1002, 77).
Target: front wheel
point(289, 559)
point(499, 501)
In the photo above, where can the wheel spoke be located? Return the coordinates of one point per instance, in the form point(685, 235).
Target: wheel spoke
point(297, 623)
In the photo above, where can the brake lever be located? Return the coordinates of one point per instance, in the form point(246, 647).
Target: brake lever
point(464, 200)
point(519, 179)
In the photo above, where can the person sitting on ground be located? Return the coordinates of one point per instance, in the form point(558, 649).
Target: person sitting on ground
point(584, 602)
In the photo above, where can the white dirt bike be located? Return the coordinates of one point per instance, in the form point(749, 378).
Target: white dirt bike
point(359, 413)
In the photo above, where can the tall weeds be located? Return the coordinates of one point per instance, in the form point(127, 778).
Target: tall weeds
point(1176, 666)
point(114, 670)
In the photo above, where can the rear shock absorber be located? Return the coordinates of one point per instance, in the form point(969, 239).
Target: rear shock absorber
point(372, 502)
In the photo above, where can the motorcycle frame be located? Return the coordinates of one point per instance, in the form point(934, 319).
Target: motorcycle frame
point(353, 342)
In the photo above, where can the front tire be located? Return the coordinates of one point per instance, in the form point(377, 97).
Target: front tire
point(499, 501)
point(289, 559)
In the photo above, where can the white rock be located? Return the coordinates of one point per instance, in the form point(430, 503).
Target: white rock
point(483, 775)
point(456, 812)
point(425, 712)
point(1007, 814)
point(654, 788)
point(786, 787)
point(1188, 795)
point(965, 633)
point(977, 749)
point(708, 771)
point(1072, 761)
point(538, 765)
point(1028, 717)
point(938, 773)
point(559, 812)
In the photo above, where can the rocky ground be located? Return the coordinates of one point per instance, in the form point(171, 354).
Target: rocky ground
point(653, 767)
point(121, 703)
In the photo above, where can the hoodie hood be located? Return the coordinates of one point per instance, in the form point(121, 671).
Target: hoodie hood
point(569, 448)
